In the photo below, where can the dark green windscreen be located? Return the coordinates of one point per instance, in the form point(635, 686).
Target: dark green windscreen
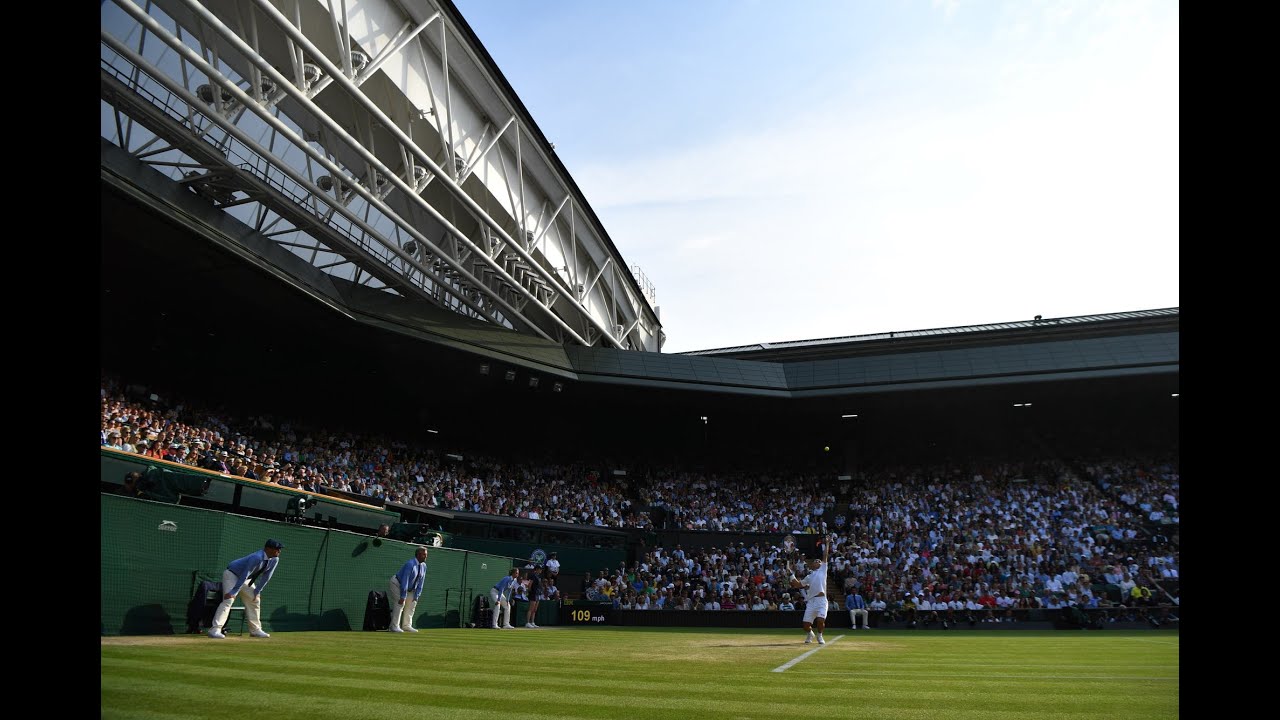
point(153, 556)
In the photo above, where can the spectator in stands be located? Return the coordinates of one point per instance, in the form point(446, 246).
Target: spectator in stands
point(216, 462)
point(876, 605)
point(927, 610)
point(786, 603)
point(1074, 616)
point(1113, 576)
point(909, 605)
point(522, 587)
point(246, 578)
point(953, 613)
point(1127, 585)
point(971, 610)
point(406, 588)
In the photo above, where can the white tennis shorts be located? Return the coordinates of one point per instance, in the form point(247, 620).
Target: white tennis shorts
point(815, 608)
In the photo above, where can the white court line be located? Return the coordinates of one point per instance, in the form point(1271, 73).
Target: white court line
point(788, 664)
point(874, 673)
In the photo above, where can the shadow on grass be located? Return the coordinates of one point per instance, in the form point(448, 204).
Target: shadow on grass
point(147, 620)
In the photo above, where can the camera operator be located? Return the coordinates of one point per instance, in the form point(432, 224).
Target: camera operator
point(132, 486)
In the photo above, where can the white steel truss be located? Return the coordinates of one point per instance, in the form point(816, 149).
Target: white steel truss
point(379, 144)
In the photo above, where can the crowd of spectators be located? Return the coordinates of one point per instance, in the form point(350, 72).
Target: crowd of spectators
point(1007, 536)
point(943, 581)
point(737, 577)
point(973, 540)
point(741, 502)
point(289, 454)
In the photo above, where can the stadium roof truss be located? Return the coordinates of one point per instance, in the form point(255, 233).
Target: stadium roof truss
point(378, 142)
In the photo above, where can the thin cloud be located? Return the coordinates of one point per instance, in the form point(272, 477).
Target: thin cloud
point(1013, 160)
point(948, 7)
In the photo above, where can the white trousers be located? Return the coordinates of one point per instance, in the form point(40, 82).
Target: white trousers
point(501, 606)
point(853, 617)
point(401, 615)
point(252, 604)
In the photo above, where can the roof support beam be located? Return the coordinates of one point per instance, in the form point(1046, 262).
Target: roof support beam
point(397, 43)
point(376, 114)
point(233, 131)
point(466, 200)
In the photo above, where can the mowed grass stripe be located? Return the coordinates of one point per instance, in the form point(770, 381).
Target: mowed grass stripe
point(432, 702)
point(247, 669)
point(571, 659)
point(202, 707)
point(140, 713)
point(514, 676)
point(404, 693)
point(941, 693)
point(440, 702)
point(997, 677)
point(341, 700)
point(636, 673)
point(339, 681)
point(425, 700)
point(1090, 665)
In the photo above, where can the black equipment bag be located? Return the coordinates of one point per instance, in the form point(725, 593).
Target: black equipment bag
point(377, 611)
point(481, 613)
point(203, 602)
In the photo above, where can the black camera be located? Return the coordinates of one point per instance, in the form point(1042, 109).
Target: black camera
point(139, 484)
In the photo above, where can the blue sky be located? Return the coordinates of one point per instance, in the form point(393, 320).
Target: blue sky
point(825, 168)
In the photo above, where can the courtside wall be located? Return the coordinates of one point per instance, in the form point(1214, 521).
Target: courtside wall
point(154, 555)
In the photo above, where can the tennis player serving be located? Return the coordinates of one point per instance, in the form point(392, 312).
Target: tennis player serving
point(815, 594)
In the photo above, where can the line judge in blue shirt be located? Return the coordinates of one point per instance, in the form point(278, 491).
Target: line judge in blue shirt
point(500, 595)
point(857, 607)
point(247, 577)
point(406, 588)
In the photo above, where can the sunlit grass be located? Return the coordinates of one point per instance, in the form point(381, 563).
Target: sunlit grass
point(592, 673)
